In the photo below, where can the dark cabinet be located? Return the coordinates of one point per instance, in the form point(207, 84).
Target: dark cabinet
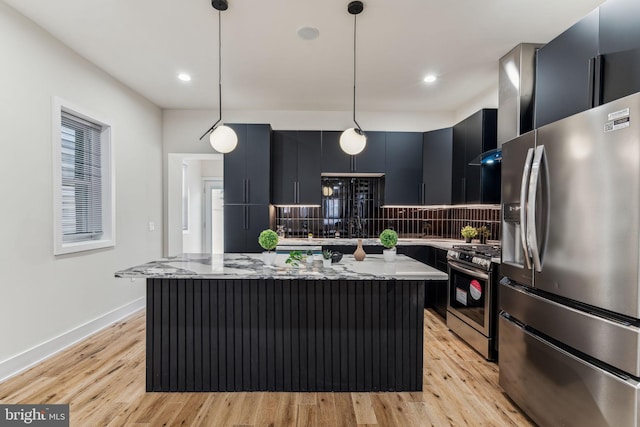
point(594, 62)
point(437, 154)
point(619, 29)
point(470, 181)
point(242, 226)
point(620, 75)
point(246, 188)
point(619, 41)
point(436, 290)
point(334, 160)
point(370, 160)
point(564, 72)
point(247, 168)
point(437, 293)
point(296, 168)
point(403, 168)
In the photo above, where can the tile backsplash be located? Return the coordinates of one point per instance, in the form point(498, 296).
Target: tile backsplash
point(409, 222)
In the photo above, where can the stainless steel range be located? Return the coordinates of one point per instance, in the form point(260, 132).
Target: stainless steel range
point(471, 301)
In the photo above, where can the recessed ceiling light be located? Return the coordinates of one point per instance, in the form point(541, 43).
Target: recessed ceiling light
point(308, 33)
point(430, 78)
point(184, 77)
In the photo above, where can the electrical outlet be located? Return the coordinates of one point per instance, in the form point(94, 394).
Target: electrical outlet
point(152, 226)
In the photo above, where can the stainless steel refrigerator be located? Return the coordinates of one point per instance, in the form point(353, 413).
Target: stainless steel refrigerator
point(569, 292)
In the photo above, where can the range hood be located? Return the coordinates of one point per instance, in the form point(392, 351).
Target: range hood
point(487, 158)
point(516, 83)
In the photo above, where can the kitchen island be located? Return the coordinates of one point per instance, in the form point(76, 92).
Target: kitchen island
point(230, 323)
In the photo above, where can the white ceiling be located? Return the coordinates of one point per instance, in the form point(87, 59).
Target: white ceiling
point(145, 44)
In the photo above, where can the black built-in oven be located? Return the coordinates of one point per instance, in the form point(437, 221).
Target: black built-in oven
point(471, 299)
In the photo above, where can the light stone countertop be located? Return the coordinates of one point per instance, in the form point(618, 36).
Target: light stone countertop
point(251, 266)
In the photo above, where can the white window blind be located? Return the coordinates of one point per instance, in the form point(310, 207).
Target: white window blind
point(81, 183)
point(83, 180)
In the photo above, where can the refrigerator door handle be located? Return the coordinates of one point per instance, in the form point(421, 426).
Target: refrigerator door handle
point(526, 173)
point(532, 232)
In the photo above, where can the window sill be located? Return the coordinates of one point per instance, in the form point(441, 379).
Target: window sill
point(68, 248)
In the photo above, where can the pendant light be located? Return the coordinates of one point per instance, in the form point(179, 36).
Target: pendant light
point(353, 140)
point(223, 139)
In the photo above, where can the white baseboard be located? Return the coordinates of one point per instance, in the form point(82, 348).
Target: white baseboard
point(35, 355)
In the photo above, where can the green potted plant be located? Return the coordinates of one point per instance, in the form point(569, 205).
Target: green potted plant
point(309, 256)
point(294, 258)
point(389, 239)
point(268, 239)
point(483, 234)
point(468, 232)
point(326, 258)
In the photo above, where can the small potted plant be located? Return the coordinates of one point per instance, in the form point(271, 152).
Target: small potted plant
point(309, 256)
point(326, 258)
point(268, 239)
point(389, 239)
point(468, 232)
point(294, 258)
point(483, 234)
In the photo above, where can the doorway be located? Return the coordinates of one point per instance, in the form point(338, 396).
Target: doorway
point(184, 235)
point(213, 213)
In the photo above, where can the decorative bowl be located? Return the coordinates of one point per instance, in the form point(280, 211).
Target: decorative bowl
point(336, 257)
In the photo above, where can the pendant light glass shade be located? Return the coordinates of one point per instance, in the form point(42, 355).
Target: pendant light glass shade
point(223, 139)
point(353, 141)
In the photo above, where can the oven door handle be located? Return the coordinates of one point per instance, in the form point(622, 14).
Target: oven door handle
point(477, 273)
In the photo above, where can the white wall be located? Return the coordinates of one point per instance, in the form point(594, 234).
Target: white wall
point(41, 296)
point(487, 99)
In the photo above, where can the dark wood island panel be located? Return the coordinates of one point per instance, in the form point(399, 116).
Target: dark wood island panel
point(284, 335)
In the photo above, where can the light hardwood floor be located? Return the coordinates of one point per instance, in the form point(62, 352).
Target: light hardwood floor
point(103, 380)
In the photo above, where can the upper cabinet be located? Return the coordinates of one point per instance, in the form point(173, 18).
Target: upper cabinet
point(594, 62)
point(437, 152)
point(370, 160)
point(619, 64)
point(247, 168)
point(472, 183)
point(564, 72)
point(403, 168)
point(296, 177)
point(619, 29)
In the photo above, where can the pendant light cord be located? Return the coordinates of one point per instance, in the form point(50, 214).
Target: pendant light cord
point(219, 66)
point(219, 77)
point(355, 25)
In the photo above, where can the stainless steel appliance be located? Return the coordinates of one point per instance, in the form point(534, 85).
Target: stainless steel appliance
point(471, 299)
point(570, 291)
point(516, 82)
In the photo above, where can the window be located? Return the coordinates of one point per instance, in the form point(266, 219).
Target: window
point(83, 181)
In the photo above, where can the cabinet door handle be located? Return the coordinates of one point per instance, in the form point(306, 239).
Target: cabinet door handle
point(244, 191)
point(422, 193)
point(294, 191)
point(248, 191)
point(596, 65)
point(246, 217)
